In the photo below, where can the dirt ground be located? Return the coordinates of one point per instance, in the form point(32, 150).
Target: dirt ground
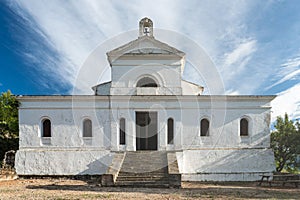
point(75, 189)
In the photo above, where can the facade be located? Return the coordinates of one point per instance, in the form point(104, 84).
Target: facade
point(146, 107)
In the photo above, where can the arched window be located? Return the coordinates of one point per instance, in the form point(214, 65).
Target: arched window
point(244, 127)
point(122, 131)
point(170, 131)
point(46, 128)
point(146, 82)
point(87, 128)
point(204, 127)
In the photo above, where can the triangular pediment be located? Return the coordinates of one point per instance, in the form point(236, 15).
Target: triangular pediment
point(145, 45)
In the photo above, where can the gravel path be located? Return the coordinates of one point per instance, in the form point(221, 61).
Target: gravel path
point(74, 189)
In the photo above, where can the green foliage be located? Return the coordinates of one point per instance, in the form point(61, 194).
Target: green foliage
point(9, 125)
point(285, 142)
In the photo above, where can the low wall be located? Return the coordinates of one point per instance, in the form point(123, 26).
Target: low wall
point(62, 162)
point(226, 164)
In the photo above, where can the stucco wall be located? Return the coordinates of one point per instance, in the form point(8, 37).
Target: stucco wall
point(62, 161)
point(226, 164)
point(224, 151)
point(66, 128)
point(67, 117)
point(168, 78)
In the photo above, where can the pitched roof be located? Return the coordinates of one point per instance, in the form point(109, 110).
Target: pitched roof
point(142, 46)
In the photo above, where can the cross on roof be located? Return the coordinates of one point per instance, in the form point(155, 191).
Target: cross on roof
point(146, 30)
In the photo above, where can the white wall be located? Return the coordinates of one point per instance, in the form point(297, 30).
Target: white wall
point(67, 117)
point(62, 161)
point(67, 113)
point(226, 164)
point(126, 73)
point(66, 123)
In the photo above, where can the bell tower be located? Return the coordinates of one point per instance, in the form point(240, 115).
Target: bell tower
point(146, 27)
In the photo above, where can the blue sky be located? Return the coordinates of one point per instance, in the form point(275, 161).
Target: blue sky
point(254, 44)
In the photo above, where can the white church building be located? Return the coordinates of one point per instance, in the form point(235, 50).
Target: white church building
point(146, 107)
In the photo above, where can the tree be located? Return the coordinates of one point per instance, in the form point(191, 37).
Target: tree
point(285, 142)
point(9, 125)
point(298, 149)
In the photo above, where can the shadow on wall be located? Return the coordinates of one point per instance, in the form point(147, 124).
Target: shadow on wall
point(236, 161)
point(91, 176)
point(98, 167)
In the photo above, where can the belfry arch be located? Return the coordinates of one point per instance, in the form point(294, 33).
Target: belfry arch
point(146, 82)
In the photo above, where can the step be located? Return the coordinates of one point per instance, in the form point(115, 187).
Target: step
point(137, 162)
point(144, 169)
point(145, 158)
point(142, 174)
point(126, 178)
point(154, 184)
point(141, 170)
point(157, 166)
point(146, 165)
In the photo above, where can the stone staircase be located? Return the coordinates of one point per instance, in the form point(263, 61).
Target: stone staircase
point(144, 169)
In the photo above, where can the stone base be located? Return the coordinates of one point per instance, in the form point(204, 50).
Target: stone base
point(107, 180)
point(62, 162)
point(194, 165)
point(174, 180)
point(223, 177)
point(226, 164)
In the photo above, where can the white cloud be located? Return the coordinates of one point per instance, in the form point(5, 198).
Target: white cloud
point(236, 60)
point(237, 70)
point(74, 28)
point(286, 78)
point(289, 70)
point(288, 102)
point(293, 62)
point(232, 92)
point(240, 53)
